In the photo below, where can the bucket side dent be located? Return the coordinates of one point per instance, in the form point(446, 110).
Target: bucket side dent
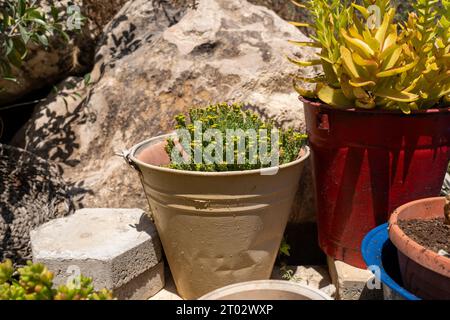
point(219, 229)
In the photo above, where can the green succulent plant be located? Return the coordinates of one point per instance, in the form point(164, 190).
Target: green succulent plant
point(370, 61)
point(224, 117)
point(35, 282)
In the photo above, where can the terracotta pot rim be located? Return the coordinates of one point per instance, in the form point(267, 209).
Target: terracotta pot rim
point(305, 154)
point(376, 111)
point(427, 258)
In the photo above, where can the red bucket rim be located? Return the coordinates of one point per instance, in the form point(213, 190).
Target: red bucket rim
point(320, 104)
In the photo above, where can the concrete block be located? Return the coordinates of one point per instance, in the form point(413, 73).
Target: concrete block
point(353, 283)
point(169, 292)
point(144, 286)
point(119, 248)
point(314, 276)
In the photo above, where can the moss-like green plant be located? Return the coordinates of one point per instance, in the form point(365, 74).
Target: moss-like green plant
point(35, 282)
point(371, 61)
point(236, 152)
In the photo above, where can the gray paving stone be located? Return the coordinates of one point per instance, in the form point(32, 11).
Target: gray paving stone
point(115, 247)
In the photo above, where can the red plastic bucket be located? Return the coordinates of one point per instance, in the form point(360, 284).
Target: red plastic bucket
point(367, 163)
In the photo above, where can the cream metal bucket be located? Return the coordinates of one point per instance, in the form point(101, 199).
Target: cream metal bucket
point(216, 228)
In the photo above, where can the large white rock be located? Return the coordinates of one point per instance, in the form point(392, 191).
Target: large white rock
point(119, 248)
point(152, 64)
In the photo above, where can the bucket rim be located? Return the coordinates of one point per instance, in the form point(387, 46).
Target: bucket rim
point(136, 147)
point(372, 250)
point(320, 104)
point(270, 284)
point(428, 258)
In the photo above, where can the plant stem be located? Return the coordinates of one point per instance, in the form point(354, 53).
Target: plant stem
point(12, 106)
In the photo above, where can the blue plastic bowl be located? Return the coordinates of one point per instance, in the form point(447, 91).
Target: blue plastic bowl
point(378, 250)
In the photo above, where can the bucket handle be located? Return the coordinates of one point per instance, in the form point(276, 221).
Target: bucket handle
point(125, 155)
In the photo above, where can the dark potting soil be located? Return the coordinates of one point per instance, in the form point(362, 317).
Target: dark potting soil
point(433, 234)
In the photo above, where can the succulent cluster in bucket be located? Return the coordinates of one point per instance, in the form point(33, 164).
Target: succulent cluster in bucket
point(371, 61)
point(35, 282)
point(225, 117)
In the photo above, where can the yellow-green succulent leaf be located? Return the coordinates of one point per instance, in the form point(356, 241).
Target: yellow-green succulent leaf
point(391, 40)
point(363, 10)
point(359, 25)
point(413, 84)
point(350, 66)
point(304, 92)
point(330, 72)
point(317, 79)
point(369, 104)
point(380, 35)
point(405, 108)
point(306, 44)
point(398, 70)
point(305, 63)
point(353, 31)
point(347, 89)
point(395, 95)
point(364, 62)
point(360, 83)
point(392, 60)
point(445, 91)
point(301, 24)
point(334, 97)
point(298, 4)
point(440, 43)
point(359, 45)
point(387, 52)
point(326, 59)
point(361, 94)
point(371, 41)
point(413, 106)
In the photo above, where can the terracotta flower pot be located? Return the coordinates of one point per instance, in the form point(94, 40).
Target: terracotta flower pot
point(424, 272)
point(369, 162)
point(216, 228)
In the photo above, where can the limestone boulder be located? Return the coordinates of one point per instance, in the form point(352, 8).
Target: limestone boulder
point(154, 62)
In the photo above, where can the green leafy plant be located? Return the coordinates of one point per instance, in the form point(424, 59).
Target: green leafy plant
point(224, 117)
point(23, 23)
point(285, 247)
point(288, 273)
point(378, 63)
point(35, 282)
